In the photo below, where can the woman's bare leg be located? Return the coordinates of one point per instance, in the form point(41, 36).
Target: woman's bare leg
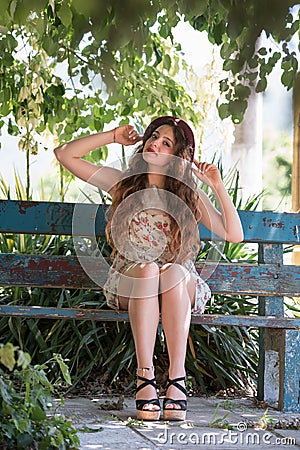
point(177, 295)
point(143, 309)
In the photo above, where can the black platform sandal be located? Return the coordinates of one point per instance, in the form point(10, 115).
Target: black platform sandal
point(146, 414)
point(172, 413)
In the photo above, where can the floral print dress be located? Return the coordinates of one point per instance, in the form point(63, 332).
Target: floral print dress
point(148, 239)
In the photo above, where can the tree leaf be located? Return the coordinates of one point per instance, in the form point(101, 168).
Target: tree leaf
point(63, 367)
point(224, 86)
point(261, 85)
point(226, 50)
point(167, 62)
point(65, 14)
point(287, 78)
point(6, 393)
point(37, 414)
point(263, 51)
point(24, 359)
point(224, 110)
point(7, 356)
point(242, 91)
point(142, 104)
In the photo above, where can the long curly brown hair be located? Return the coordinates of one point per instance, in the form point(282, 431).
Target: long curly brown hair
point(178, 181)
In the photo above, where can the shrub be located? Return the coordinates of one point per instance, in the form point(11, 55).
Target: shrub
point(28, 418)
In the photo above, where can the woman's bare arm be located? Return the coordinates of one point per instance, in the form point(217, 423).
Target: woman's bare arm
point(70, 156)
point(226, 222)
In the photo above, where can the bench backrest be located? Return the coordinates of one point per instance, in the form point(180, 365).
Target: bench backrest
point(56, 218)
point(266, 228)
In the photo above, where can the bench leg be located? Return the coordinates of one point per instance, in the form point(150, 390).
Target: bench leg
point(279, 350)
point(271, 354)
point(291, 390)
point(279, 369)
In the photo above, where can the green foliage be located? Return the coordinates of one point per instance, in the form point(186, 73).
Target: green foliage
point(64, 73)
point(237, 27)
point(27, 411)
point(223, 357)
point(114, 50)
point(133, 81)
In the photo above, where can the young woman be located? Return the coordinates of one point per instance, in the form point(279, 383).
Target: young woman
point(153, 232)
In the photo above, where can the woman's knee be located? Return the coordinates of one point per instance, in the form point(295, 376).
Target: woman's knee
point(173, 270)
point(173, 275)
point(140, 281)
point(144, 270)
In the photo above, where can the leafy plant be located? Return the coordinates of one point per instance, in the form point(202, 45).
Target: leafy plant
point(218, 422)
point(120, 43)
point(27, 412)
point(266, 422)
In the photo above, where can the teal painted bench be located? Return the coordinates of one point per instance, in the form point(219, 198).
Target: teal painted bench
point(269, 279)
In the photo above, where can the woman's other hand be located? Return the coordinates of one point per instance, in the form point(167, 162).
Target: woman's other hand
point(208, 173)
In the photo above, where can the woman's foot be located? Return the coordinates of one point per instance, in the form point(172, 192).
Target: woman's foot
point(147, 403)
point(175, 404)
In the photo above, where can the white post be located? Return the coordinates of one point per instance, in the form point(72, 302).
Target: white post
point(247, 148)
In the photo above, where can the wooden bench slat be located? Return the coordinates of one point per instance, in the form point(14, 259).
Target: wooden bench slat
point(56, 218)
point(66, 271)
point(111, 316)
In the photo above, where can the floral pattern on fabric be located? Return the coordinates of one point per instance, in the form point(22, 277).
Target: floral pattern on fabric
point(149, 238)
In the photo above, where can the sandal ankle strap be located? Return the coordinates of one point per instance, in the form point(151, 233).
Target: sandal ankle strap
point(147, 382)
point(175, 383)
point(175, 379)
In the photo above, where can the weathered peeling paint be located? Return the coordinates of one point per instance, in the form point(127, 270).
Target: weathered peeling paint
point(296, 232)
point(232, 278)
point(56, 218)
point(271, 224)
point(272, 380)
point(24, 205)
point(110, 315)
point(291, 382)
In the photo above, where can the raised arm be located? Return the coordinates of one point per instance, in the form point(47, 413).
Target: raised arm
point(225, 222)
point(70, 156)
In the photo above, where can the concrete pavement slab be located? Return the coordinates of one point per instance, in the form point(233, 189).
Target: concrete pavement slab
point(228, 424)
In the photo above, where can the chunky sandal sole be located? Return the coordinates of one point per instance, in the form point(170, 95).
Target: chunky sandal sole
point(174, 414)
point(144, 414)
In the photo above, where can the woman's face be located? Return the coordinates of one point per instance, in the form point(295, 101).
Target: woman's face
point(159, 146)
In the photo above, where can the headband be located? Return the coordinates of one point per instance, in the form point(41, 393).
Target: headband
point(188, 133)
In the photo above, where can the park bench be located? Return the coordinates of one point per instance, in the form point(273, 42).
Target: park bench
point(269, 279)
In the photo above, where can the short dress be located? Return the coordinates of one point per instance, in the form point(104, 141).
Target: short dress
point(148, 240)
